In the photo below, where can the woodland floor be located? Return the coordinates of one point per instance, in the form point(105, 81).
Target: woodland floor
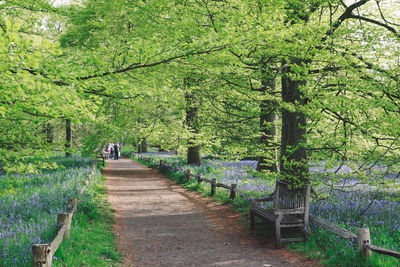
point(159, 223)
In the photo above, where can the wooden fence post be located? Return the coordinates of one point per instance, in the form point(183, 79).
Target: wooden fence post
point(213, 182)
point(42, 256)
point(363, 237)
point(198, 177)
point(82, 189)
point(64, 219)
point(233, 191)
point(188, 174)
point(72, 204)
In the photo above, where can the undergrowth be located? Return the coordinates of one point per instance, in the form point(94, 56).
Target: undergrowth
point(92, 241)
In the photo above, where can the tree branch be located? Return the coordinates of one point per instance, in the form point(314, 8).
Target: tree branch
point(147, 65)
point(346, 15)
point(376, 22)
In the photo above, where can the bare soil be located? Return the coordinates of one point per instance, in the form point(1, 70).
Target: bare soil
point(159, 223)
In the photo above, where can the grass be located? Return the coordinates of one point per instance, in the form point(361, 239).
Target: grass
point(91, 242)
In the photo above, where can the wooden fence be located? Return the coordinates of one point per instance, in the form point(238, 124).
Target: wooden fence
point(362, 238)
point(234, 191)
point(43, 253)
point(101, 158)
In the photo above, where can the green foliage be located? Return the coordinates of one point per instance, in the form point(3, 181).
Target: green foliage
point(122, 71)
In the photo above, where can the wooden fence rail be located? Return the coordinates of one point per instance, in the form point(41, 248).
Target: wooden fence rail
point(362, 237)
point(382, 251)
point(333, 228)
point(43, 253)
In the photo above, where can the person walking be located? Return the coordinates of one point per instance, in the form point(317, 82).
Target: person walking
point(111, 150)
point(116, 151)
point(108, 151)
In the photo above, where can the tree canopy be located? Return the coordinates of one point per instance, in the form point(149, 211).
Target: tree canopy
point(291, 83)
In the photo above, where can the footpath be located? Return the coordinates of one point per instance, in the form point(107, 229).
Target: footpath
point(159, 223)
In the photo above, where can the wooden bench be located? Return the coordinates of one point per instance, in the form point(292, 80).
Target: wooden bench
point(290, 209)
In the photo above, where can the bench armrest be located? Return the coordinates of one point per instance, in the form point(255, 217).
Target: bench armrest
point(264, 199)
point(255, 201)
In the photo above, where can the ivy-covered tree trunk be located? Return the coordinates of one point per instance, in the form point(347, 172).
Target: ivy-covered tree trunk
point(192, 121)
point(293, 158)
point(268, 130)
point(142, 146)
point(68, 138)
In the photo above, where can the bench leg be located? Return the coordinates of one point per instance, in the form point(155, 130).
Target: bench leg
point(278, 235)
point(252, 226)
point(278, 232)
point(306, 230)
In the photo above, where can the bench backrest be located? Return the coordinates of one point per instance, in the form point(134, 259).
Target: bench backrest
point(291, 200)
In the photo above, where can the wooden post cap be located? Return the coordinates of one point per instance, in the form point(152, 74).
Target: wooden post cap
point(213, 182)
point(42, 256)
point(72, 204)
point(363, 237)
point(232, 194)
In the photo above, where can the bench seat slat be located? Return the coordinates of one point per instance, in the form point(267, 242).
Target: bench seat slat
point(268, 213)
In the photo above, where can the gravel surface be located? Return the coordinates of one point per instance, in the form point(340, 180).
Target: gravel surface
point(159, 223)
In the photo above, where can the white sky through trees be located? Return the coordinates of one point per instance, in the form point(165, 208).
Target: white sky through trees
point(61, 2)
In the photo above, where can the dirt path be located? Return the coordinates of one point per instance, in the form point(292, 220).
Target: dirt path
point(159, 223)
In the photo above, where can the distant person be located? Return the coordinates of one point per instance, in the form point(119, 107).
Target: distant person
point(108, 151)
point(104, 152)
point(116, 151)
point(111, 148)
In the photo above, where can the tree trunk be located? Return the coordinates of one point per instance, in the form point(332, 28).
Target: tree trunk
point(293, 158)
point(49, 133)
point(194, 155)
point(68, 138)
point(192, 121)
point(142, 146)
point(268, 129)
